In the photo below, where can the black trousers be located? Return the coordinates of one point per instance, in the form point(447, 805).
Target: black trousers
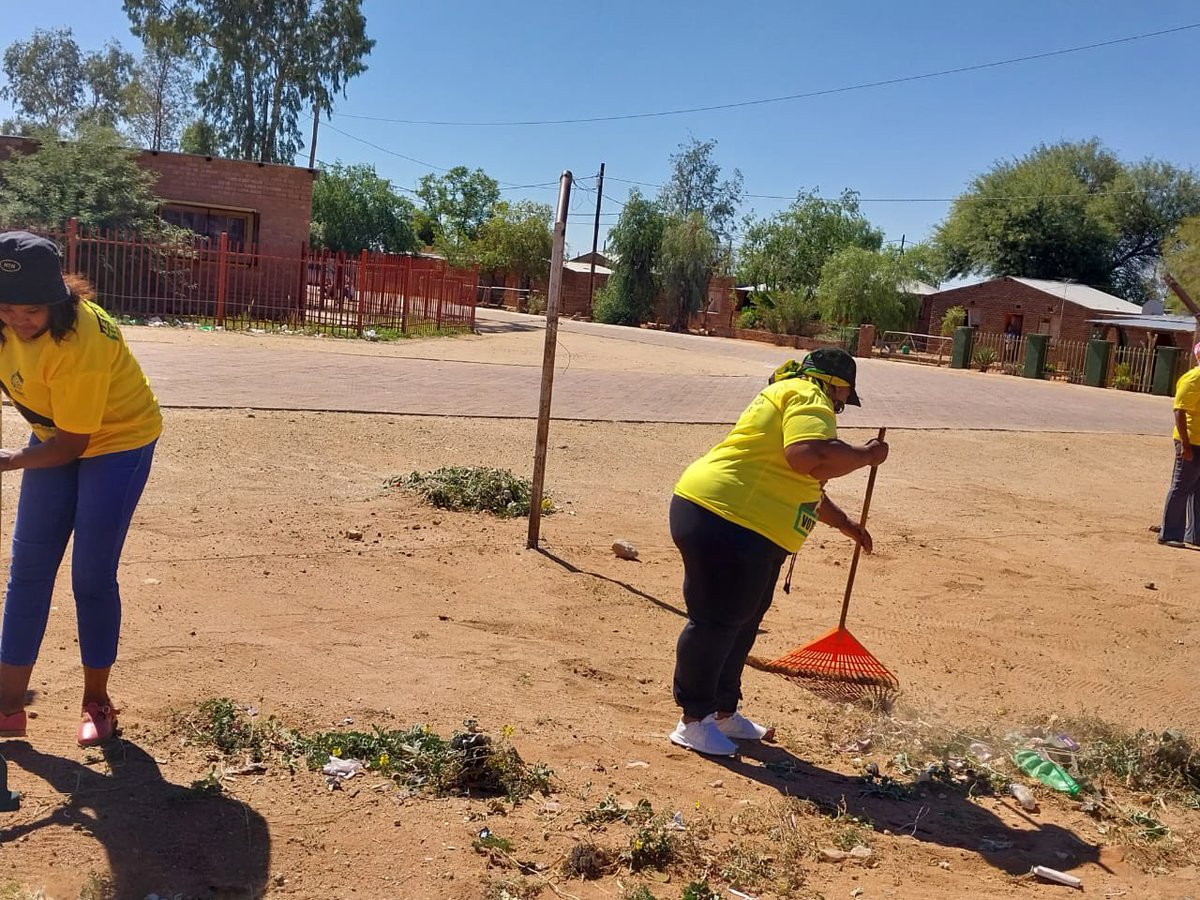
point(729, 576)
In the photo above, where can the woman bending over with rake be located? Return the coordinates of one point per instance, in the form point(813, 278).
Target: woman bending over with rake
point(67, 370)
point(737, 513)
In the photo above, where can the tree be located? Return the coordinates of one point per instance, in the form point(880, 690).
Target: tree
point(200, 138)
point(516, 239)
point(685, 261)
point(43, 80)
point(695, 186)
point(1071, 211)
point(95, 179)
point(629, 296)
point(107, 75)
point(954, 317)
point(457, 204)
point(354, 209)
point(789, 249)
point(1181, 255)
point(860, 286)
point(261, 62)
point(159, 98)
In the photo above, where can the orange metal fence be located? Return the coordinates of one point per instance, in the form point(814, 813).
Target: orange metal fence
point(147, 276)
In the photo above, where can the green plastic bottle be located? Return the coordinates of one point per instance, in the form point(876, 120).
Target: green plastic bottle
point(1048, 773)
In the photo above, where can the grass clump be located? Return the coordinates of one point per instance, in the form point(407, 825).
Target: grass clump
point(474, 489)
point(470, 763)
point(612, 810)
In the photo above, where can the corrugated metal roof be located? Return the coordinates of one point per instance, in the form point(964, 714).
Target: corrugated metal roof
point(1082, 295)
point(918, 288)
point(1183, 324)
point(586, 267)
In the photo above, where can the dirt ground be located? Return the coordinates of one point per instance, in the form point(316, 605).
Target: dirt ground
point(1015, 578)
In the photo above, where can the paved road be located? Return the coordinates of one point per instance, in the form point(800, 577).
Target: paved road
point(290, 376)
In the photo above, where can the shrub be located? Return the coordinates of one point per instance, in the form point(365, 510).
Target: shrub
point(474, 488)
point(984, 358)
point(951, 319)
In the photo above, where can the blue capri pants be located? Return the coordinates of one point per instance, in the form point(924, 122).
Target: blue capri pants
point(94, 498)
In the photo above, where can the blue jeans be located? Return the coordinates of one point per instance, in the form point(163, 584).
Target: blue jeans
point(1182, 509)
point(94, 498)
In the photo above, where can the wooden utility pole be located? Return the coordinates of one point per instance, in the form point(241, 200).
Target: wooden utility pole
point(553, 302)
point(312, 147)
point(595, 239)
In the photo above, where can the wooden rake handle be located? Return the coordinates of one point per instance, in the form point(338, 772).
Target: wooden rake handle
point(862, 523)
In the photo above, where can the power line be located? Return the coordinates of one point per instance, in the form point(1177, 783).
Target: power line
point(958, 70)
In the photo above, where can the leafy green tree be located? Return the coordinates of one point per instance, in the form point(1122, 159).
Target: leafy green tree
point(630, 294)
point(457, 204)
point(516, 239)
point(159, 98)
point(354, 209)
point(952, 318)
point(685, 261)
point(95, 179)
point(860, 286)
point(53, 84)
point(789, 249)
point(1070, 211)
point(1182, 258)
point(695, 185)
point(262, 63)
point(200, 138)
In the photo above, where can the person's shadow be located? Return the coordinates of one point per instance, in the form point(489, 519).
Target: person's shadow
point(160, 837)
point(944, 816)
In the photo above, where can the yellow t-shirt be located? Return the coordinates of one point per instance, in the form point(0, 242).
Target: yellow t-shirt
point(746, 478)
point(1187, 398)
point(87, 383)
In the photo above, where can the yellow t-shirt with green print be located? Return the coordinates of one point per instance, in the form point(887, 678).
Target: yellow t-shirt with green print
point(87, 383)
point(746, 478)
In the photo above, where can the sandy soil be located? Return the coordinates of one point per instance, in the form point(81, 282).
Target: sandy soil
point(1006, 588)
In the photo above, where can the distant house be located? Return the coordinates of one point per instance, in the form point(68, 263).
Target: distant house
point(259, 205)
point(1020, 306)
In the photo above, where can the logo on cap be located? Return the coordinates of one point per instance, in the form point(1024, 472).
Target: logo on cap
point(9, 266)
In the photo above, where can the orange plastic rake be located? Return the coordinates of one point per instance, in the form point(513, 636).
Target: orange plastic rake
point(836, 664)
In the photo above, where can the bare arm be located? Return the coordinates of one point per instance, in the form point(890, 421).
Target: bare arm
point(833, 515)
point(826, 459)
point(1181, 425)
point(62, 448)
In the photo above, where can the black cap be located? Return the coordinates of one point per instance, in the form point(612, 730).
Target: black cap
point(30, 270)
point(836, 363)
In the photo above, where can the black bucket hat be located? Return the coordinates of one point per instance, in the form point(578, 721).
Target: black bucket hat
point(30, 270)
point(838, 367)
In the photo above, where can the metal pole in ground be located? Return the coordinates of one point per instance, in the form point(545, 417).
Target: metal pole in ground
point(595, 240)
point(553, 303)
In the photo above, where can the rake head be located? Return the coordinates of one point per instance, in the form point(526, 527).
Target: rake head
point(837, 657)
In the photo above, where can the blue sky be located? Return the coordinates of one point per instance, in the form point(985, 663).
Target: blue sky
point(487, 61)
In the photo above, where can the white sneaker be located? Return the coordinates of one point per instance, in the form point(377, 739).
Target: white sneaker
point(703, 737)
point(737, 727)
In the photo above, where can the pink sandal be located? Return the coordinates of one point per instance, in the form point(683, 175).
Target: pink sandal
point(12, 725)
point(98, 725)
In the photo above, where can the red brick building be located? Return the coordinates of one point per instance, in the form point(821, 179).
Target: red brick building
point(259, 205)
point(1026, 306)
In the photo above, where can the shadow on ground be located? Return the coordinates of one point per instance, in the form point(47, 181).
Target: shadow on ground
point(160, 838)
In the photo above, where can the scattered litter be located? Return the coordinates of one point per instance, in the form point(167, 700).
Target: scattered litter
point(980, 751)
point(736, 893)
point(1062, 742)
point(716, 784)
point(624, 550)
point(637, 764)
point(338, 770)
point(551, 806)
point(676, 823)
point(944, 864)
point(861, 853)
point(1048, 773)
point(252, 711)
point(831, 854)
point(346, 721)
point(371, 335)
point(1151, 586)
point(151, 581)
point(156, 322)
point(859, 746)
point(1056, 876)
point(1023, 796)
